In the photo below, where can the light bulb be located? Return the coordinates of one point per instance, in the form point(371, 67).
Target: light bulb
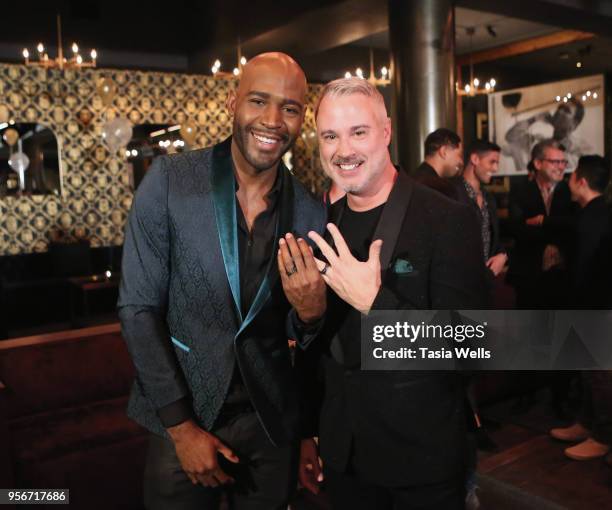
point(492, 82)
point(347, 75)
point(243, 61)
point(476, 82)
point(75, 48)
point(26, 53)
point(94, 54)
point(236, 71)
point(40, 47)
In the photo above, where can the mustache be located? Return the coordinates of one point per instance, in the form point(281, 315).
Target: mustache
point(351, 160)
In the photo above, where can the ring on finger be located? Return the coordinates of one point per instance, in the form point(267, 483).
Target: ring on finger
point(292, 270)
point(325, 268)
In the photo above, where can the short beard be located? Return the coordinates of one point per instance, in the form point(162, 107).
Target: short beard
point(241, 137)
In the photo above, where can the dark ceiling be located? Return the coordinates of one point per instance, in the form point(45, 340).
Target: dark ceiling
point(326, 36)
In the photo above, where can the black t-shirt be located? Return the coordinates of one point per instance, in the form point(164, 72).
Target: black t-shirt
point(358, 229)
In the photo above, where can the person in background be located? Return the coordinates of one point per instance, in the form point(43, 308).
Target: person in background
point(482, 163)
point(540, 216)
point(443, 160)
point(590, 271)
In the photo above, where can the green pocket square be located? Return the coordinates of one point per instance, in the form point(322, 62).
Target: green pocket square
point(402, 266)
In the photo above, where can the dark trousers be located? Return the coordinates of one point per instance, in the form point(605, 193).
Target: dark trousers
point(265, 478)
point(597, 404)
point(347, 490)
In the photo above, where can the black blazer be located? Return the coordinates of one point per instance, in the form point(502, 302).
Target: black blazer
point(426, 175)
point(589, 261)
point(179, 301)
point(405, 428)
point(525, 201)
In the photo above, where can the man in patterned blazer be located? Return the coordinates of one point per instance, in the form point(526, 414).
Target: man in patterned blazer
point(202, 307)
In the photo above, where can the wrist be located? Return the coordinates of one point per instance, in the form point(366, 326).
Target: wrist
point(179, 432)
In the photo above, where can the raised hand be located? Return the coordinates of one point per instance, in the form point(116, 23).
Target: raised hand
point(302, 282)
point(353, 281)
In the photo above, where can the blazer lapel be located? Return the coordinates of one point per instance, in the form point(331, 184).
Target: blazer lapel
point(223, 184)
point(284, 224)
point(392, 217)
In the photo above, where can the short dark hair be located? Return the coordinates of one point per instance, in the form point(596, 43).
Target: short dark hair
point(439, 138)
point(481, 147)
point(595, 170)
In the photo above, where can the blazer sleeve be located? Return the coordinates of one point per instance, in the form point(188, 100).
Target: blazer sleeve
point(143, 296)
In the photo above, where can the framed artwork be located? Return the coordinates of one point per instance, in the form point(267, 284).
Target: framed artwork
point(570, 111)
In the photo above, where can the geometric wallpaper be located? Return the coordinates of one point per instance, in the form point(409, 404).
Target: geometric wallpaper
point(96, 192)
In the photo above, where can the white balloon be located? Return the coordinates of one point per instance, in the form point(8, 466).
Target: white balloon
point(19, 162)
point(117, 133)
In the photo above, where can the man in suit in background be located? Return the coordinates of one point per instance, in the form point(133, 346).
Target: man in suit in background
point(203, 311)
point(589, 262)
point(590, 270)
point(387, 439)
point(540, 218)
point(443, 160)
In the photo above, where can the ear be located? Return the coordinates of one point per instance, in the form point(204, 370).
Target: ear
point(387, 131)
point(231, 102)
point(443, 151)
point(537, 164)
point(474, 159)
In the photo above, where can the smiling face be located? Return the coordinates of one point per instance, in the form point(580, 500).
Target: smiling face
point(354, 134)
point(552, 166)
point(485, 165)
point(268, 109)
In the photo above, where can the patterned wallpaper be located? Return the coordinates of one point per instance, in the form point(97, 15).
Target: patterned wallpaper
point(96, 193)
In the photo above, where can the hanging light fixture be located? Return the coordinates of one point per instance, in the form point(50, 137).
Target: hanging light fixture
point(61, 62)
point(236, 72)
point(378, 81)
point(475, 86)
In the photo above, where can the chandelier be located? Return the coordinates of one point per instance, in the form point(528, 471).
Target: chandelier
point(61, 62)
point(475, 86)
point(237, 71)
point(382, 81)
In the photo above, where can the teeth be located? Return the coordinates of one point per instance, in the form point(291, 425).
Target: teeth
point(264, 139)
point(349, 167)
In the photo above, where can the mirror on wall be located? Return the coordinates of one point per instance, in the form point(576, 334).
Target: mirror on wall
point(29, 160)
point(149, 141)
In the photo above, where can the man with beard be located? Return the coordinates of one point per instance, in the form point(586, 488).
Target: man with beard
point(202, 307)
point(388, 440)
point(482, 164)
point(540, 221)
point(443, 160)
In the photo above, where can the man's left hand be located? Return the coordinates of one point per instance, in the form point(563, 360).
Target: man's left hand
point(302, 282)
point(355, 282)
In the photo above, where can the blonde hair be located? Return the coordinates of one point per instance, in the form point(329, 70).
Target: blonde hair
point(347, 87)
